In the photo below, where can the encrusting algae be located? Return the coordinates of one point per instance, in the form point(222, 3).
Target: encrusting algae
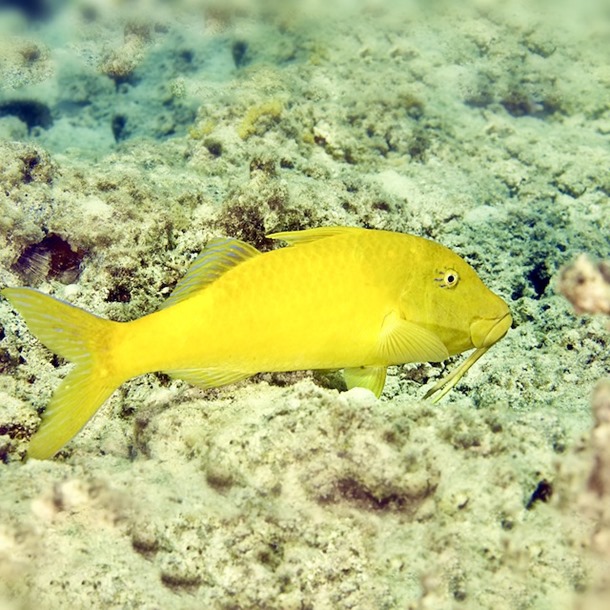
point(339, 298)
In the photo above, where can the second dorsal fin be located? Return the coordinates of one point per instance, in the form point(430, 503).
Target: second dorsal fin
point(219, 255)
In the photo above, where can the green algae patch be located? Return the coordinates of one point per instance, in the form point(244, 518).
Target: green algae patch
point(260, 119)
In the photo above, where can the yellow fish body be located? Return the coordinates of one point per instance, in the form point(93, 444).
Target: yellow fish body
point(339, 298)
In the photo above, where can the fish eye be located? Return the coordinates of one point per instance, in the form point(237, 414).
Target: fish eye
point(449, 278)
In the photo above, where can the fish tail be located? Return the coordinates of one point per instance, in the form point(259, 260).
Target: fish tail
point(83, 339)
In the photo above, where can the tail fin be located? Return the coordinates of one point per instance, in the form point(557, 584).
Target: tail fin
point(81, 338)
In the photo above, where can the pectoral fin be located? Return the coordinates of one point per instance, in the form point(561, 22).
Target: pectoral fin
point(402, 341)
point(370, 377)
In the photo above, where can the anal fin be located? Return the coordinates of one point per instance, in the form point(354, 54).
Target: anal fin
point(209, 377)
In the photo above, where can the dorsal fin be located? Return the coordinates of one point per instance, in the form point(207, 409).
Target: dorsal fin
point(219, 255)
point(296, 238)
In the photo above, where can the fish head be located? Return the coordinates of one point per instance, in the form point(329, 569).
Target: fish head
point(448, 298)
point(484, 332)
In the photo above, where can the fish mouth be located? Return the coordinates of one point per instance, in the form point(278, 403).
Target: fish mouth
point(484, 332)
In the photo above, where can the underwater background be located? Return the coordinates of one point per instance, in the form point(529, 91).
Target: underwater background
point(133, 132)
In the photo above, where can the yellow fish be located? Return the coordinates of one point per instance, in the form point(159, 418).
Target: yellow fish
point(338, 298)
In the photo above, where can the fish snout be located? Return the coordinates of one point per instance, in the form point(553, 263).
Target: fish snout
point(484, 332)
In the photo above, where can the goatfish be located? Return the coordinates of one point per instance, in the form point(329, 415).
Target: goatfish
point(337, 298)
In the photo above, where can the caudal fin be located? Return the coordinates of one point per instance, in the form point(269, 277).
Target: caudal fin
point(81, 338)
